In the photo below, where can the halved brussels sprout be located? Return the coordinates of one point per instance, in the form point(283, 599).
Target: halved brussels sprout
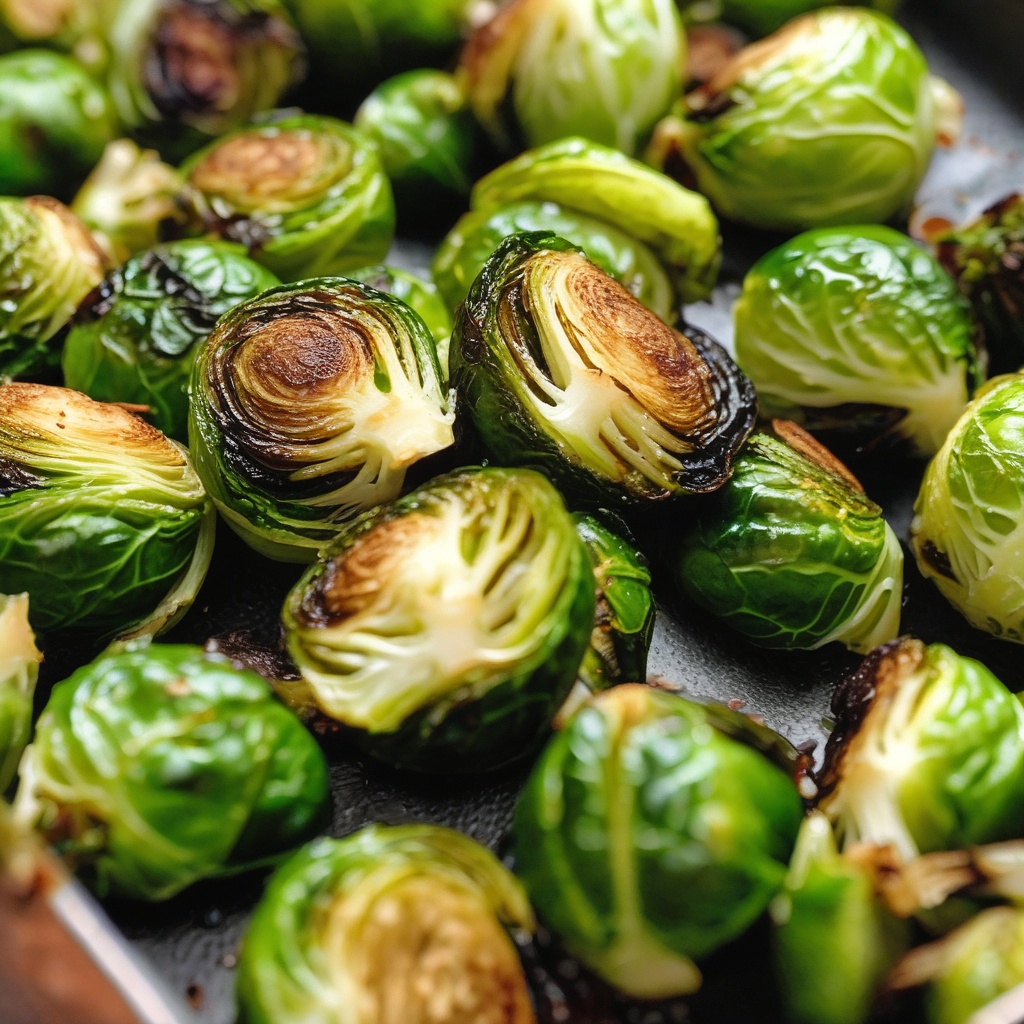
point(402, 923)
point(49, 262)
point(19, 670)
point(308, 405)
point(306, 194)
point(927, 752)
point(448, 626)
point(966, 531)
point(103, 520)
point(860, 333)
point(591, 179)
point(54, 122)
point(648, 836)
point(831, 120)
point(159, 765)
point(791, 552)
point(604, 69)
point(559, 365)
point(135, 337)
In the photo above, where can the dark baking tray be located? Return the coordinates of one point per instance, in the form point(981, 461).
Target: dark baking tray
point(193, 939)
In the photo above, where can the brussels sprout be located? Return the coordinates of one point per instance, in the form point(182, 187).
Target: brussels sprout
point(49, 262)
point(306, 194)
point(159, 765)
point(400, 923)
point(860, 332)
point(792, 553)
point(647, 836)
point(559, 365)
point(675, 223)
point(831, 120)
point(103, 521)
point(604, 69)
point(54, 121)
point(966, 531)
point(987, 260)
point(448, 626)
point(308, 405)
point(135, 337)
point(927, 752)
point(19, 669)
point(75, 25)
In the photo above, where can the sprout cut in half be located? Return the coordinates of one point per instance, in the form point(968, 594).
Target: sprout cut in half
point(19, 670)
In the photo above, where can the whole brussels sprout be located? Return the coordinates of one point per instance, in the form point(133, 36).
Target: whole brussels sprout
point(402, 923)
point(49, 262)
point(648, 836)
point(927, 753)
point(156, 766)
point(308, 405)
point(604, 69)
point(19, 670)
point(967, 518)
point(791, 552)
point(831, 120)
point(135, 336)
point(103, 520)
point(306, 194)
point(54, 122)
point(448, 626)
point(858, 332)
point(560, 366)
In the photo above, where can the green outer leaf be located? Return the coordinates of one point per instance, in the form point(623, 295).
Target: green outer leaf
point(587, 178)
point(19, 670)
point(171, 766)
point(858, 316)
point(968, 527)
point(792, 555)
point(646, 838)
point(491, 554)
point(285, 973)
point(135, 338)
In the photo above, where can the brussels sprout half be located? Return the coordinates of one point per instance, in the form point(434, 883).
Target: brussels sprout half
point(135, 337)
point(306, 194)
point(19, 670)
point(791, 552)
point(160, 765)
point(308, 405)
point(647, 837)
point(927, 753)
point(103, 520)
point(402, 923)
point(859, 333)
point(604, 69)
point(559, 365)
point(966, 531)
point(448, 626)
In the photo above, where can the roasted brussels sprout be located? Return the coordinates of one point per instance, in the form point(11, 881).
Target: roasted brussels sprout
point(859, 334)
point(54, 122)
point(159, 765)
point(791, 552)
point(967, 524)
point(831, 120)
point(400, 923)
point(448, 626)
point(604, 69)
point(103, 521)
point(308, 405)
point(559, 365)
point(306, 194)
point(19, 669)
point(135, 337)
point(927, 752)
point(49, 261)
point(648, 835)
point(987, 260)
